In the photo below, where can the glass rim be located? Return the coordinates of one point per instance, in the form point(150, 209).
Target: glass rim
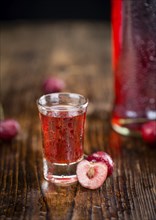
point(72, 108)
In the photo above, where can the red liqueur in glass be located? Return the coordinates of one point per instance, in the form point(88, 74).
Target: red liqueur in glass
point(63, 137)
point(62, 117)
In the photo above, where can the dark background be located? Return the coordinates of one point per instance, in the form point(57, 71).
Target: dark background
point(55, 9)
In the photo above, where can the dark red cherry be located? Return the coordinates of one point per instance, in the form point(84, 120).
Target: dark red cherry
point(148, 131)
point(52, 84)
point(9, 128)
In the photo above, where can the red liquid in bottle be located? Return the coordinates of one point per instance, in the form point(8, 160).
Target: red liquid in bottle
point(134, 62)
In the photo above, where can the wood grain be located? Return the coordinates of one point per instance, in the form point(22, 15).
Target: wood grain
point(79, 53)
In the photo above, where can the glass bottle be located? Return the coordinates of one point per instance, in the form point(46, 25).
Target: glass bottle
point(134, 64)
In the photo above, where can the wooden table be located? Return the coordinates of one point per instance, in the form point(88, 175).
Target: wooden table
point(80, 54)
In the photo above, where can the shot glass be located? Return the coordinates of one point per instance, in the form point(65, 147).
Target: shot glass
point(62, 117)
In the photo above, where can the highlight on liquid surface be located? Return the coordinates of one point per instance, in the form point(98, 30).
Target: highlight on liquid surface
point(63, 132)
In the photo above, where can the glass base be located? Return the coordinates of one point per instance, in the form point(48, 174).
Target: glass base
point(120, 129)
point(128, 126)
point(62, 174)
point(131, 126)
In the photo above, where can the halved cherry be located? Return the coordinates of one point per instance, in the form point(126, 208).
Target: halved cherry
point(91, 175)
point(102, 156)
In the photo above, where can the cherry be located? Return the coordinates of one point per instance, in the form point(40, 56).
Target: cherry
point(9, 128)
point(91, 175)
point(53, 84)
point(102, 156)
point(148, 131)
